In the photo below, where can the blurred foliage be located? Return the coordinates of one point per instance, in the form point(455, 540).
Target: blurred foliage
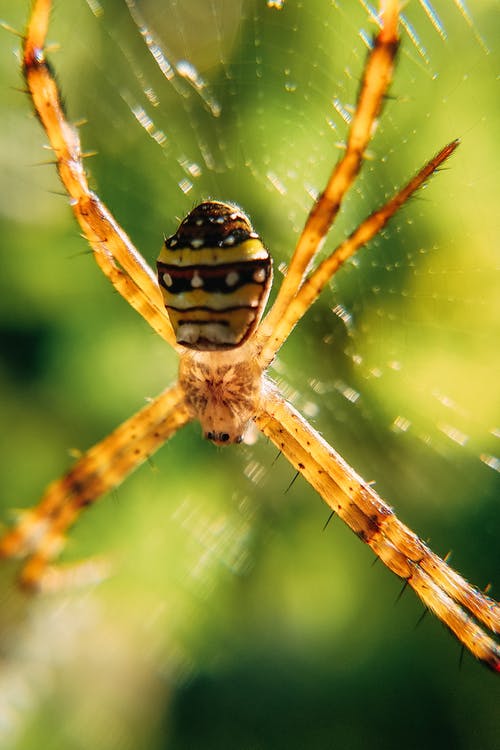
point(231, 620)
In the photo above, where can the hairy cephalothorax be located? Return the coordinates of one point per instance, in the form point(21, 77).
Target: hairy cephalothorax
point(223, 391)
point(207, 301)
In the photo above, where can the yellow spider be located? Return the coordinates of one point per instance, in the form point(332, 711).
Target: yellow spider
point(214, 276)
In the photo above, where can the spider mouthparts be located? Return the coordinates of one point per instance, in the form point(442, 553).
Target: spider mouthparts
point(221, 438)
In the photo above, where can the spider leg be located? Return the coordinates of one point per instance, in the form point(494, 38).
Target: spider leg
point(371, 226)
point(458, 604)
point(39, 534)
point(113, 250)
point(376, 79)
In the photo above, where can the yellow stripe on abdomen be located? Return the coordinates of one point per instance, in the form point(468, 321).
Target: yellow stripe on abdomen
point(215, 276)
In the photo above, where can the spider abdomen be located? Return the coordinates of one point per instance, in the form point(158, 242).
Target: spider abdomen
point(215, 275)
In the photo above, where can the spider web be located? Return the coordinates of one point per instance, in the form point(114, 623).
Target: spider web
point(397, 364)
point(231, 100)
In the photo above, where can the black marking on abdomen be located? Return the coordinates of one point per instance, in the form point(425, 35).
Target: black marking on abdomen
point(208, 309)
point(210, 224)
point(214, 278)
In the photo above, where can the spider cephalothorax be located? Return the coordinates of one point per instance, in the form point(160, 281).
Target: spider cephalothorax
point(222, 390)
point(214, 275)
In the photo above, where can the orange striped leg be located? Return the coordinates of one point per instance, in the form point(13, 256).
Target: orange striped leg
point(458, 604)
point(376, 79)
point(114, 252)
point(316, 282)
point(39, 534)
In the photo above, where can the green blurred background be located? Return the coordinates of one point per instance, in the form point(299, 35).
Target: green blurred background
point(232, 620)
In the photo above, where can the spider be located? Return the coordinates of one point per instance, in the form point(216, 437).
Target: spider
point(207, 302)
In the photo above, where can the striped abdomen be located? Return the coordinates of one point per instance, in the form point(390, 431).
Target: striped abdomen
point(215, 276)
